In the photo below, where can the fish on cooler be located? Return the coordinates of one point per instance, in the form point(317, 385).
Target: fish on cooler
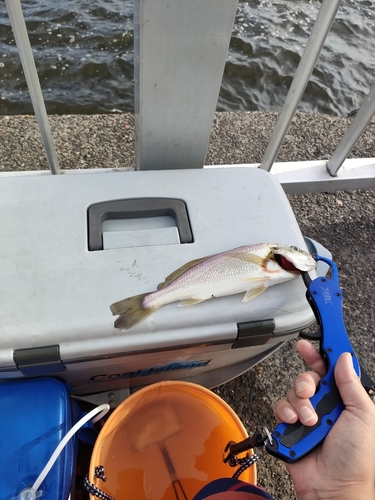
point(250, 269)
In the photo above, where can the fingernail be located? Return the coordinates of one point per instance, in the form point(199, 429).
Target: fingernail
point(307, 414)
point(289, 414)
point(349, 360)
point(301, 385)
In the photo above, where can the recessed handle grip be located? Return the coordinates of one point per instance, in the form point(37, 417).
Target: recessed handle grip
point(135, 208)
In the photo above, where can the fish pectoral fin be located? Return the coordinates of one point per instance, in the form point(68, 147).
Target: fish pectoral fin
point(251, 294)
point(190, 302)
point(180, 271)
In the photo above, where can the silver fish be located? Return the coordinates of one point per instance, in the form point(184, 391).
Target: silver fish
point(250, 269)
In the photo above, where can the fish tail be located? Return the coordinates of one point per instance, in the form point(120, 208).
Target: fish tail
point(131, 311)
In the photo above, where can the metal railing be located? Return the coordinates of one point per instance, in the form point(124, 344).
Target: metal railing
point(175, 103)
point(28, 64)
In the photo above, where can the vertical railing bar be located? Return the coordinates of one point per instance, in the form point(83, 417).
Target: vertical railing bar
point(302, 75)
point(137, 83)
point(354, 132)
point(28, 64)
point(180, 50)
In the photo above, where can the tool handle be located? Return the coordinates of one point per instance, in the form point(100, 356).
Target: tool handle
point(290, 442)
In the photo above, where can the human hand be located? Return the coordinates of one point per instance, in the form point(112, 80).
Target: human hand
point(343, 466)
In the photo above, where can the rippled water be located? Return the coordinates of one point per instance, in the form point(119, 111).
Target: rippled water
point(84, 55)
point(268, 41)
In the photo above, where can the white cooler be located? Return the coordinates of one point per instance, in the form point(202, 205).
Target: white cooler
point(73, 244)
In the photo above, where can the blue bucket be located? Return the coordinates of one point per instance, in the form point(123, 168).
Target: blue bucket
point(35, 416)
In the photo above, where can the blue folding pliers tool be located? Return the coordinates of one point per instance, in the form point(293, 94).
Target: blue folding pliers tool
point(290, 442)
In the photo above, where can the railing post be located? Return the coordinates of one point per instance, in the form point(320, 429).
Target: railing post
point(302, 75)
point(354, 132)
point(28, 64)
point(180, 51)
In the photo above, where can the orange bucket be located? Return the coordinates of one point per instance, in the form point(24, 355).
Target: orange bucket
point(166, 442)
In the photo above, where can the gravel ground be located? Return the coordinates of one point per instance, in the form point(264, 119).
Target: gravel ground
point(88, 141)
point(342, 221)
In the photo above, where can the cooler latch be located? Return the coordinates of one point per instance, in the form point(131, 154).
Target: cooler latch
point(253, 333)
point(38, 361)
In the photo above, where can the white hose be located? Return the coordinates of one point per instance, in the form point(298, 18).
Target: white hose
point(32, 492)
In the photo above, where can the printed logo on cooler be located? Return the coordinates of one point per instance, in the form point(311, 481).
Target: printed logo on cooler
point(154, 370)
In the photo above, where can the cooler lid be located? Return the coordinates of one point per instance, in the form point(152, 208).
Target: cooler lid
point(56, 285)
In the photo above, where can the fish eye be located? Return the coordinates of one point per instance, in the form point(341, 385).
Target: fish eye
point(295, 248)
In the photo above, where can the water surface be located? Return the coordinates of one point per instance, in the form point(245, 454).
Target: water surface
point(84, 56)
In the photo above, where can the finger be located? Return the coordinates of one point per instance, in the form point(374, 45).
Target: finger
point(305, 384)
point(312, 357)
point(303, 407)
point(304, 388)
point(284, 412)
point(349, 385)
point(298, 409)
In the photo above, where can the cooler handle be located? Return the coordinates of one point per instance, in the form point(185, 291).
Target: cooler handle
point(135, 208)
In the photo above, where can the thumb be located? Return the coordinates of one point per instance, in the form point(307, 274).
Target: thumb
point(351, 390)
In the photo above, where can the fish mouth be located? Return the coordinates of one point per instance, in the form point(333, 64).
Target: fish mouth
point(293, 259)
point(285, 264)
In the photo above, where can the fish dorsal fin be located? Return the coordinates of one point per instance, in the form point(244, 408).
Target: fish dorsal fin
point(180, 271)
point(251, 294)
point(248, 257)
